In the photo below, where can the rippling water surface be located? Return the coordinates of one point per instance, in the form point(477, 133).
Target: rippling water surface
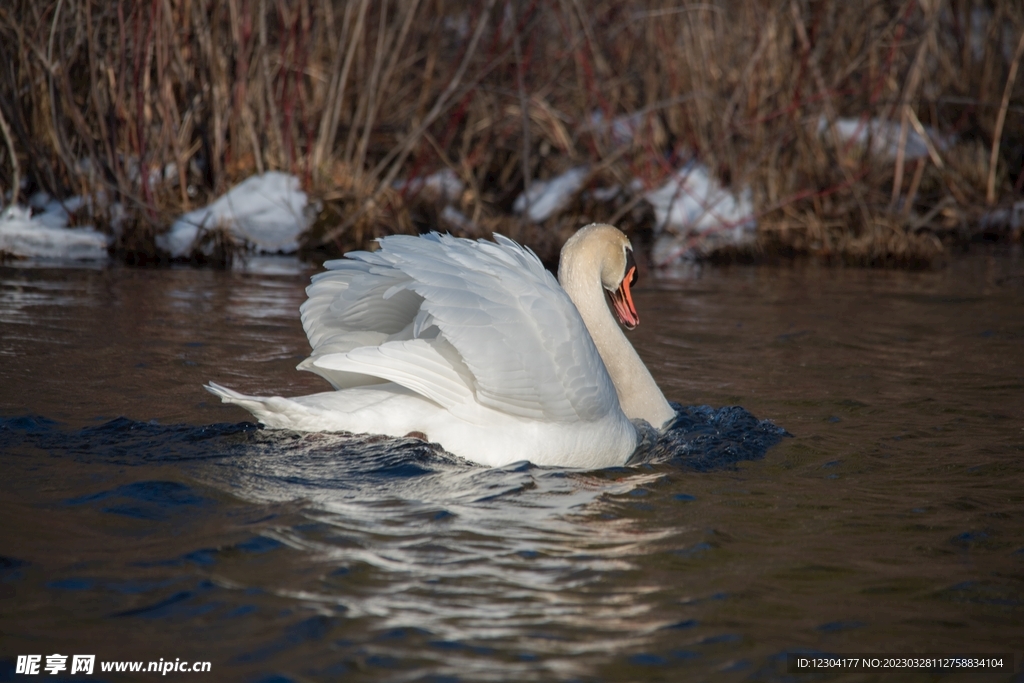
point(140, 519)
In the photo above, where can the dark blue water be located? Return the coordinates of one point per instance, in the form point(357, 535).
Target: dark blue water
point(390, 522)
point(141, 520)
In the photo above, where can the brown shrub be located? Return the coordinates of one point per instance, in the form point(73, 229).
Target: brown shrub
point(162, 105)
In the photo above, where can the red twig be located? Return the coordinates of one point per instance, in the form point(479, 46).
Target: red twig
point(141, 49)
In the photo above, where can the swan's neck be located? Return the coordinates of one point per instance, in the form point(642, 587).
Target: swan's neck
point(639, 395)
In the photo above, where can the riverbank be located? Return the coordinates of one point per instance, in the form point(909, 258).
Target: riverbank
point(858, 133)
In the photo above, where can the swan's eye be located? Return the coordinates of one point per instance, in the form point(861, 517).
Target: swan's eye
point(631, 271)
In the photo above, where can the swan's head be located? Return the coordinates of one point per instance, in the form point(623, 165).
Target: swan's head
point(607, 249)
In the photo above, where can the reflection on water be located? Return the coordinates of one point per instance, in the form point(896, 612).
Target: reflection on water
point(466, 554)
point(892, 520)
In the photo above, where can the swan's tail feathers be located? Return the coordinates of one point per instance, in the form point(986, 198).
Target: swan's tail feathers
point(267, 409)
point(230, 395)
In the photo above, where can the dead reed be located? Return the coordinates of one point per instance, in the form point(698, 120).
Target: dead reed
point(160, 105)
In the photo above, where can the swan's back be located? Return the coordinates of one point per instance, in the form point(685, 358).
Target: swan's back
point(457, 321)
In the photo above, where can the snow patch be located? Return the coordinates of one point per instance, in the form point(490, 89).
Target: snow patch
point(885, 137)
point(46, 235)
point(1009, 219)
point(444, 185)
point(620, 130)
point(457, 219)
point(606, 194)
point(546, 198)
point(694, 215)
point(266, 212)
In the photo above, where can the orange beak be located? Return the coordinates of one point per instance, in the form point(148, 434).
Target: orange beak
point(622, 301)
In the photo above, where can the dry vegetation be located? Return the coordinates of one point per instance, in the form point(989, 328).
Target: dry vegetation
point(162, 104)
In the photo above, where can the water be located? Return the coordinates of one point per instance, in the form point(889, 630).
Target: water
point(143, 520)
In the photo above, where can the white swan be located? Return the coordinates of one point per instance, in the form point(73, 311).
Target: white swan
point(474, 345)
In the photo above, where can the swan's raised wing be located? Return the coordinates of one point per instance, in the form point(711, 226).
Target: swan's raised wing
point(417, 364)
point(351, 297)
point(523, 347)
point(347, 309)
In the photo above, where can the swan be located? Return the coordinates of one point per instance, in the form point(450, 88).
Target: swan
point(475, 346)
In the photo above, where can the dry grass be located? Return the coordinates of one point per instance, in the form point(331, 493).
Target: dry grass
point(162, 104)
